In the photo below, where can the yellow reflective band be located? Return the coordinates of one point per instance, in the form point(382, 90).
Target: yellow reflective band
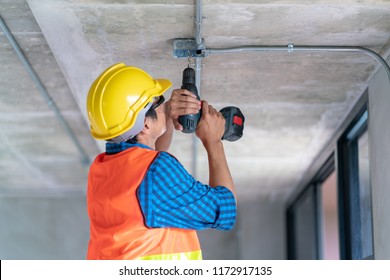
point(196, 255)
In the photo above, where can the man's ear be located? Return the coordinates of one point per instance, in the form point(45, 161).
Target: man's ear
point(146, 125)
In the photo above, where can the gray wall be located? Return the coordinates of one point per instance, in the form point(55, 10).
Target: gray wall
point(259, 234)
point(379, 143)
point(36, 226)
point(43, 227)
point(262, 230)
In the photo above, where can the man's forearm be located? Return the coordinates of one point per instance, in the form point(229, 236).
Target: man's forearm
point(218, 167)
point(164, 141)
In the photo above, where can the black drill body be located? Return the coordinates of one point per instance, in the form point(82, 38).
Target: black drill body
point(234, 118)
point(189, 122)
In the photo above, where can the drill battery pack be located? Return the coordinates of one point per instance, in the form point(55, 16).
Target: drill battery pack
point(234, 126)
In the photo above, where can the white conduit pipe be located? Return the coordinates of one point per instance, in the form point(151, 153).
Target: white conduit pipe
point(198, 68)
point(195, 142)
point(33, 75)
point(198, 22)
point(292, 48)
point(198, 39)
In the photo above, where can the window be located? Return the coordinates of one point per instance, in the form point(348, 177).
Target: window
point(355, 192)
point(330, 247)
point(302, 227)
point(331, 217)
point(309, 228)
point(365, 197)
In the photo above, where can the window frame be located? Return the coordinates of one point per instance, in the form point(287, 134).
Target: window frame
point(333, 158)
point(349, 189)
point(325, 171)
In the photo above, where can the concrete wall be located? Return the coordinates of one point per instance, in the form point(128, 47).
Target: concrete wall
point(259, 234)
point(43, 227)
point(262, 230)
point(379, 144)
point(56, 227)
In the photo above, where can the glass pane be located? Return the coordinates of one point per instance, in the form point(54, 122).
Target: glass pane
point(365, 197)
point(305, 228)
point(330, 226)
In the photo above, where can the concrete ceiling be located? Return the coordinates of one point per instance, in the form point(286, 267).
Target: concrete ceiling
point(293, 102)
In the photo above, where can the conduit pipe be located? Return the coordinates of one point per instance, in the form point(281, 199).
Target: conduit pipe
point(198, 39)
point(50, 102)
point(292, 48)
point(195, 142)
point(198, 68)
point(198, 22)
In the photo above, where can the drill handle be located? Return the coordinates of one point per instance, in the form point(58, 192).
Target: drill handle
point(189, 122)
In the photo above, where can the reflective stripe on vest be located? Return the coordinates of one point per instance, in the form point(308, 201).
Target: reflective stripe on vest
point(196, 255)
point(117, 229)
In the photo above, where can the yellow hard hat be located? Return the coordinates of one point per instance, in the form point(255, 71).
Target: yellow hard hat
point(118, 100)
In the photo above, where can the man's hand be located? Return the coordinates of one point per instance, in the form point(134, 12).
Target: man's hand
point(182, 102)
point(211, 126)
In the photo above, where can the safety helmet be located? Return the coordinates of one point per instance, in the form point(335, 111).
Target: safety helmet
point(118, 101)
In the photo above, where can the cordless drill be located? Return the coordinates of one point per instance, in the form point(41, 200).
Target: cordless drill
point(234, 118)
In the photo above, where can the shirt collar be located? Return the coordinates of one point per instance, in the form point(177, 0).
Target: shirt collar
point(113, 148)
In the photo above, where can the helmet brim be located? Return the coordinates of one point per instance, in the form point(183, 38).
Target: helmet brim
point(165, 85)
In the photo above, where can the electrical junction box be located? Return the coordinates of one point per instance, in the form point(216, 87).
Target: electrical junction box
point(187, 47)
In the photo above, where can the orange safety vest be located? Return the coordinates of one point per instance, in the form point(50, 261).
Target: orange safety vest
point(117, 228)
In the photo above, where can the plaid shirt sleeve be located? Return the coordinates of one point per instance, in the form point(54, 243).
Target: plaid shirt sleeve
point(170, 197)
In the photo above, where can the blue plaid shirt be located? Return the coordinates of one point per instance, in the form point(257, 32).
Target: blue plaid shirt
point(170, 197)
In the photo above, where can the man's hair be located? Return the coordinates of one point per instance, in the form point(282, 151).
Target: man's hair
point(151, 113)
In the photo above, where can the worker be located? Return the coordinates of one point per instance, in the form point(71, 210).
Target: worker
point(142, 203)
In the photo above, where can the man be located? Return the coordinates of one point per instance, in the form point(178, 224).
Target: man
point(142, 203)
